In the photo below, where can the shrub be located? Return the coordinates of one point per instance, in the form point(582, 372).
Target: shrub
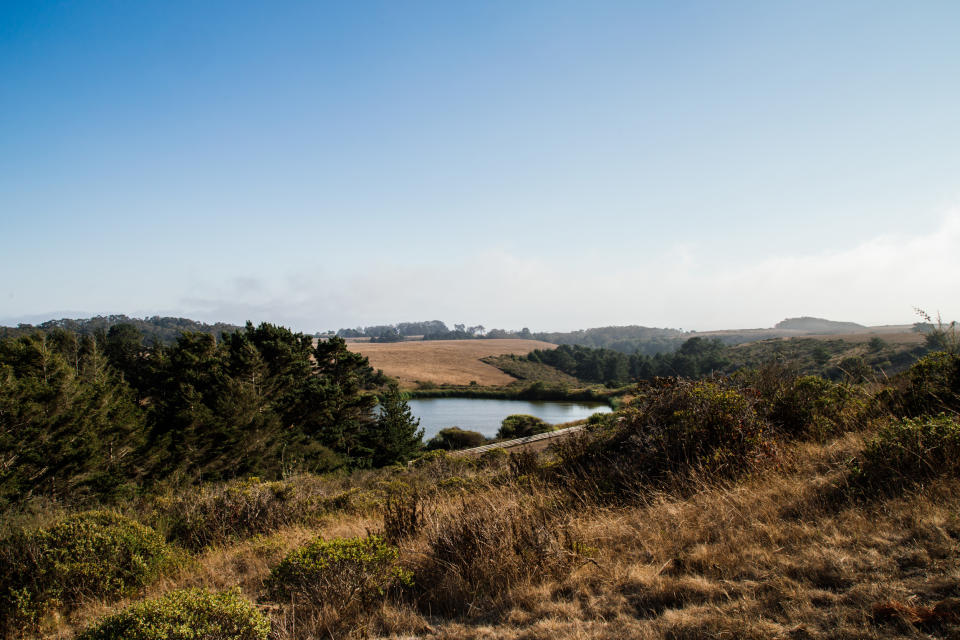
point(217, 513)
point(521, 425)
point(193, 614)
point(908, 451)
point(93, 554)
point(672, 427)
point(933, 384)
point(683, 424)
point(345, 574)
point(805, 406)
point(403, 515)
point(491, 544)
point(453, 438)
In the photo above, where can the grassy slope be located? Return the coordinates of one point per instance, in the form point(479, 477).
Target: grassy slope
point(776, 555)
point(532, 371)
point(445, 361)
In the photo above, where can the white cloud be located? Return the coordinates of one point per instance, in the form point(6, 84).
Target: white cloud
point(877, 280)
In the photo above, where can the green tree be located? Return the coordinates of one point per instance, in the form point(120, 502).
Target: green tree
point(395, 436)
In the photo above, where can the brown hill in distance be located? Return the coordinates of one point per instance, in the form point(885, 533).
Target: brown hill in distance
point(818, 325)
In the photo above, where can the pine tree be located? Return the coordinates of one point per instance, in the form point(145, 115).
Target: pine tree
point(396, 436)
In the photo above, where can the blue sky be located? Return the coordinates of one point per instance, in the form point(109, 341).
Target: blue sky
point(555, 165)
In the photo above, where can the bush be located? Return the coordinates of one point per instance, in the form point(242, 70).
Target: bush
point(489, 545)
point(683, 424)
point(909, 451)
point(672, 427)
point(344, 574)
point(93, 554)
point(193, 614)
point(403, 515)
point(453, 438)
point(214, 514)
point(805, 406)
point(933, 384)
point(521, 426)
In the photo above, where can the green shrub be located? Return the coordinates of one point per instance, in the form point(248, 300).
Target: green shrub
point(521, 426)
point(93, 554)
point(193, 614)
point(684, 423)
point(346, 574)
point(806, 406)
point(909, 451)
point(672, 427)
point(933, 384)
point(453, 438)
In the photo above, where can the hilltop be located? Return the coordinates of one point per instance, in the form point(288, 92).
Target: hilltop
point(818, 325)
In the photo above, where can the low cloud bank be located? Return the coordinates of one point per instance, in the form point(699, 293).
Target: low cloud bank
point(875, 281)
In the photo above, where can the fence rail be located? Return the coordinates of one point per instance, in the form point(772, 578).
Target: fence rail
point(509, 444)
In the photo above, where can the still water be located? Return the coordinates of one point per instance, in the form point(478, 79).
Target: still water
point(486, 414)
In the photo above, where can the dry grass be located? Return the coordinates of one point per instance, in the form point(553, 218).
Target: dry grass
point(782, 553)
point(445, 361)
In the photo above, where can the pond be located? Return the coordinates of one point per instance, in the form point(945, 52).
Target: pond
point(486, 414)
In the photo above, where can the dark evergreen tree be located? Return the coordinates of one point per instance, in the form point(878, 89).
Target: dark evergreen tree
point(396, 435)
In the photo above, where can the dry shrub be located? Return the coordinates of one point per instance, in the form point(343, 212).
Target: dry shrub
point(478, 553)
point(214, 514)
point(403, 515)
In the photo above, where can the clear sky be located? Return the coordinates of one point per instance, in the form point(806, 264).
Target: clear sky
point(550, 164)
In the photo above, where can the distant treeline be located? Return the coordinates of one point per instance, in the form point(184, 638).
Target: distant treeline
point(698, 356)
point(695, 357)
point(160, 329)
point(630, 339)
point(100, 414)
point(428, 330)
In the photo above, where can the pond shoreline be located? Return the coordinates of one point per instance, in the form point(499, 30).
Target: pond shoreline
point(485, 415)
point(535, 391)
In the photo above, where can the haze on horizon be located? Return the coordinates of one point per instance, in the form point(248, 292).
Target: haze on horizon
point(554, 165)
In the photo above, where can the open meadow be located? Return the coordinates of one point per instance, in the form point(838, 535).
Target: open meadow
point(445, 361)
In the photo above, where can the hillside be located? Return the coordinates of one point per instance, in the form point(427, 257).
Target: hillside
point(818, 325)
point(444, 361)
point(763, 507)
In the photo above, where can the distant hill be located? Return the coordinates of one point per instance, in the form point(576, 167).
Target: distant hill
point(161, 328)
point(818, 325)
point(628, 339)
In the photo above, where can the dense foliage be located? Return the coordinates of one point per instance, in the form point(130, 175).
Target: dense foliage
point(694, 358)
point(92, 554)
point(88, 416)
point(190, 614)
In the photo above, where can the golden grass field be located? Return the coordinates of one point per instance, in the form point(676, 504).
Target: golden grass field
point(445, 361)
